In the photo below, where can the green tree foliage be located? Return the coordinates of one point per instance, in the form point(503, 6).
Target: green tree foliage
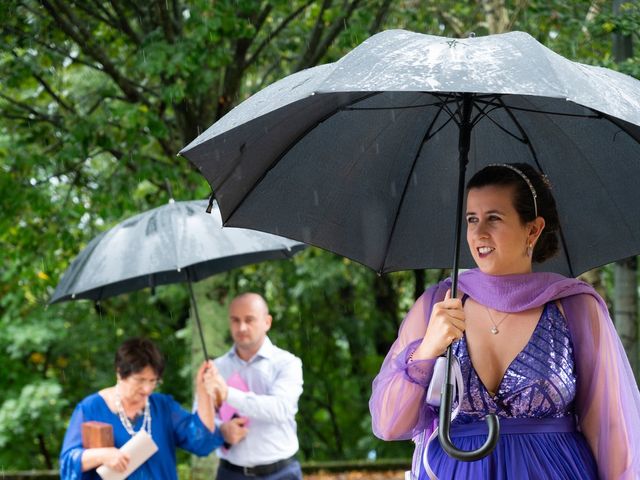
point(96, 98)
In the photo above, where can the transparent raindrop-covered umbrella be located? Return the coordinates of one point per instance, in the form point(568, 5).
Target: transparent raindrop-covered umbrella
point(177, 242)
point(366, 157)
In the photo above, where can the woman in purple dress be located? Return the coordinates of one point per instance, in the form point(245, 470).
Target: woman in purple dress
point(537, 349)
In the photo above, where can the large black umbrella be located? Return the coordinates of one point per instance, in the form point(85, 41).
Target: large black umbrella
point(178, 242)
point(359, 156)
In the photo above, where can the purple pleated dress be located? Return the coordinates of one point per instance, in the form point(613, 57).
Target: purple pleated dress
point(535, 404)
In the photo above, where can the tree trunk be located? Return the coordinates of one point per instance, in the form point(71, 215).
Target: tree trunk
point(622, 45)
point(496, 15)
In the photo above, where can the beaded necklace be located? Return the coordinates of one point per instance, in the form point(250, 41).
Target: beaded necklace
point(126, 423)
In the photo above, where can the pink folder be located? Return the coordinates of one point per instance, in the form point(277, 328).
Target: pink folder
point(227, 412)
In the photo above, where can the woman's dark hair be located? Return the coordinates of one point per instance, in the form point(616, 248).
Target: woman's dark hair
point(500, 175)
point(135, 354)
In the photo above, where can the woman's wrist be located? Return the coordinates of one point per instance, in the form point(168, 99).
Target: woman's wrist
point(422, 353)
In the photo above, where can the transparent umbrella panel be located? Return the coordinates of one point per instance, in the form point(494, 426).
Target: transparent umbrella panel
point(177, 242)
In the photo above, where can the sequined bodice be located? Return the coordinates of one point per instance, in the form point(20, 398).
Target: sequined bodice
point(539, 383)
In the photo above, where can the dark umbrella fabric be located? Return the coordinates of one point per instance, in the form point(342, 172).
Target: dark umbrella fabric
point(178, 242)
point(360, 156)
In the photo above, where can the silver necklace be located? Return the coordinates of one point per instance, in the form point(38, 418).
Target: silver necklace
point(126, 423)
point(494, 329)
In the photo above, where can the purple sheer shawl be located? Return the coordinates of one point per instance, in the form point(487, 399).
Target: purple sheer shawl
point(607, 400)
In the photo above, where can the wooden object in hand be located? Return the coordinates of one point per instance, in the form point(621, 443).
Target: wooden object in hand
point(97, 435)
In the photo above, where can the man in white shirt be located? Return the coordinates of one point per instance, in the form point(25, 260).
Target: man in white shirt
point(262, 438)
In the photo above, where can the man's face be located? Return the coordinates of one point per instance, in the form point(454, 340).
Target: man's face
point(249, 322)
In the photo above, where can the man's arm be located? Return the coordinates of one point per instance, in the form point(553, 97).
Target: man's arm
point(281, 403)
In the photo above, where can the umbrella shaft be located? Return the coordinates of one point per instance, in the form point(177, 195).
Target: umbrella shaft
point(464, 145)
point(198, 323)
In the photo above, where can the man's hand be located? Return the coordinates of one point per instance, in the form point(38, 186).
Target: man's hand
point(234, 430)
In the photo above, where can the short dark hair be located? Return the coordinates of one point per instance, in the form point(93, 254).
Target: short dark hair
point(547, 245)
point(137, 353)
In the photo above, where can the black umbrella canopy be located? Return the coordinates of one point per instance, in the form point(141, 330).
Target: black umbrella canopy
point(360, 157)
point(366, 157)
point(178, 242)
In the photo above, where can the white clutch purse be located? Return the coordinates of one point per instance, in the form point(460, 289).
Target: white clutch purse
point(434, 391)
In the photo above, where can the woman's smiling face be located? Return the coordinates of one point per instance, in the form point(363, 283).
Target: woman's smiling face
point(495, 233)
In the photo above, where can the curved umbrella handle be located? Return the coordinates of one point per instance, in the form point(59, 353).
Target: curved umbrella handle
point(444, 427)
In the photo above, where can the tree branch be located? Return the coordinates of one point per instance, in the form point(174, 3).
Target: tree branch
point(261, 18)
point(66, 171)
point(338, 26)
point(50, 91)
point(42, 116)
point(381, 15)
point(53, 48)
point(75, 29)
point(594, 10)
point(95, 13)
point(318, 29)
point(165, 21)
point(522, 4)
point(124, 23)
point(276, 32)
point(453, 23)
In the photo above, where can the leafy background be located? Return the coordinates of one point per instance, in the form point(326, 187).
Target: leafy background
point(96, 98)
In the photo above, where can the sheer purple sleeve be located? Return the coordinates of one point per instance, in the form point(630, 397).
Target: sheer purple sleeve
point(607, 400)
point(397, 406)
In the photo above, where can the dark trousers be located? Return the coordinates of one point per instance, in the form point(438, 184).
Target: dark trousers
point(290, 472)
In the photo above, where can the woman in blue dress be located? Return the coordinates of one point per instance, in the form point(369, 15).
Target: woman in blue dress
point(536, 349)
point(130, 406)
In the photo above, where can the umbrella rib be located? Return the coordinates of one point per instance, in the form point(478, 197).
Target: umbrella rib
point(621, 127)
point(527, 142)
point(425, 138)
point(287, 150)
point(458, 110)
point(560, 114)
point(404, 107)
point(483, 112)
point(421, 105)
point(435, 104)
point(511, 134)
point(439, 128)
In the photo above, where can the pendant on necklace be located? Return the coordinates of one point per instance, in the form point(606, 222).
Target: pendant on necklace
point(495, 330)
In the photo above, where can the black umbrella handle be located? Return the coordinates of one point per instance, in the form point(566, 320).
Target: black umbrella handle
point(444, 428)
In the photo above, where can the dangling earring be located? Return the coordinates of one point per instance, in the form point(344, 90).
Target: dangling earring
point(529, 250)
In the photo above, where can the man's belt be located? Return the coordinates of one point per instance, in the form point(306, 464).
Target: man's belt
point(258, 470)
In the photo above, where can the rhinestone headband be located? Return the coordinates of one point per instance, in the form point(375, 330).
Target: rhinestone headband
point(525, 178)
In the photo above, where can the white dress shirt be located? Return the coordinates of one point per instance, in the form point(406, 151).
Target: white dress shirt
point(274, 378)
